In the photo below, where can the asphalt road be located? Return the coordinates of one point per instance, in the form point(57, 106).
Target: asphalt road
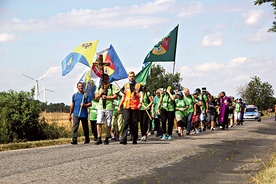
point(221, 156)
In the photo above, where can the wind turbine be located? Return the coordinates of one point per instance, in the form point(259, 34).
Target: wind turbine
point(44, 89)
point(36, 83)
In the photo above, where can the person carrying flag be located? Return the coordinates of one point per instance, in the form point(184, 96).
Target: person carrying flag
point(80, 102)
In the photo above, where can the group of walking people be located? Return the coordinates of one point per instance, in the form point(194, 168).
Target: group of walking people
point(162, 112)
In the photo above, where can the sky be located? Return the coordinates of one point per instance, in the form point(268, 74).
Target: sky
point(221, 44)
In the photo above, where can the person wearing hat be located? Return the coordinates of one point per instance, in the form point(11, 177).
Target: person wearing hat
point(166, 108)
point(154, 113)
point(179, 112)
point(203, 107)
point(197, 113)
point(189, 102)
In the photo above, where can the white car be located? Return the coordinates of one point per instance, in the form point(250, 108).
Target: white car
point(252, 113)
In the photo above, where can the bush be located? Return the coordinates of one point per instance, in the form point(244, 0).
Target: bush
point(19, 114)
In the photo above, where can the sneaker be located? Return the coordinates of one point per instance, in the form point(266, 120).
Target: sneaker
point(99, 141)
point(163, 137)
point(170, 137)
point(144, 138)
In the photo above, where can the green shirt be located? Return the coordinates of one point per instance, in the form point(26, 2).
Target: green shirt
point(145, 101)
point(155, 104)
point(167, 102)
point(179, 104)
point(237, 107)
point(93, 110)
point(116, 104)
point(189, 101)
point(203, 99)
point(109, 103)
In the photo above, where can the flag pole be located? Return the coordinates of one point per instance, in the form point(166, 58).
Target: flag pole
point(175, 48)
point(173, 67)
point(83, 97)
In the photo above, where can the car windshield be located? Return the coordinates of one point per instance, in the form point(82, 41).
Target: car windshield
point(251, 110)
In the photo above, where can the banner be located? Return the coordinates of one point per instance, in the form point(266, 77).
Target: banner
point(165, 50)
point(142, 76)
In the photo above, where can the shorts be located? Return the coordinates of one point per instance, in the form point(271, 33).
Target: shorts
point(237, 115)
point(179, 118)
point(180, 121)
point(104, 115)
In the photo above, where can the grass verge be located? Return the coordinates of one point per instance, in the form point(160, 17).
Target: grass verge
point(35, 144)
point(268, 175)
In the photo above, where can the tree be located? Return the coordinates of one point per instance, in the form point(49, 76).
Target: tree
point(273, 4)
point(159, 78)
point(19, 114)
point(258, 93)
point(19, 118)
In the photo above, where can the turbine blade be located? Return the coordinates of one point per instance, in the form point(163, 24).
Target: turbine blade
point(28, 76)
point(42, 76)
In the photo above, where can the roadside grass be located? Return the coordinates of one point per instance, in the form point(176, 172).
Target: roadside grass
point(33, 144)
point(268, 175)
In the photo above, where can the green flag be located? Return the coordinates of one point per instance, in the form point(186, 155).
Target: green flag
point(165, 50)
point(142, 76)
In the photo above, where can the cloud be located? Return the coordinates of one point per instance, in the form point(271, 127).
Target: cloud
point(253, 17)
point(212, 40)
point(237, 62)
point(258, 37)
point(6, 37)
point(227, 76)
point(190, 10)
point(158, 12)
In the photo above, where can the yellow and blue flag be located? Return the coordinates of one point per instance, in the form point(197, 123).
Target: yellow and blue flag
point(88, 83)
point(84, 54)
